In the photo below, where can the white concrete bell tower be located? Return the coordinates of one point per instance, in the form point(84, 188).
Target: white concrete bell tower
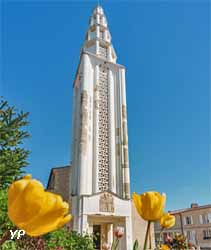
point(100, 179)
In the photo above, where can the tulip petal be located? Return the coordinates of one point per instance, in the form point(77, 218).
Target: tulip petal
point(137, 202)
point(32, 194)
point(64, 221)
point(47, 223)
point(33, 209)
point(15, 189)
point(150, 205)
point(167, 220)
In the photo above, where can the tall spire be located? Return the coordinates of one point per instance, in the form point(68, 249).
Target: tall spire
point(100, 174)
point(98, 37)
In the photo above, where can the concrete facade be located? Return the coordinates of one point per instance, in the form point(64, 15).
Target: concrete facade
point(194, 223)
point(59, 183)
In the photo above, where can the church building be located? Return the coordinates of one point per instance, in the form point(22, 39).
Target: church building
point(97, 184)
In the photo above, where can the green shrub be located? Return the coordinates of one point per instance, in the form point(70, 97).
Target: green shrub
point(9, 245)
point(5, 223)
point(64, 239)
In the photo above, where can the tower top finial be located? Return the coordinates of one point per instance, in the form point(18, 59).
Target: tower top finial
point(98, 9)
point(98, 37)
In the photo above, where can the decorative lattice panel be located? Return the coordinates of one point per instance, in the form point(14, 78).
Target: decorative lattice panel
point(103, 155)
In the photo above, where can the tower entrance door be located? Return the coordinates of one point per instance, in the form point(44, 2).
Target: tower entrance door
point(102, 227)
point(102, 234)
point(97, 236)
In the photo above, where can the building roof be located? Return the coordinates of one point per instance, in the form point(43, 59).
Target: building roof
point(192, 208)
point(53, 171)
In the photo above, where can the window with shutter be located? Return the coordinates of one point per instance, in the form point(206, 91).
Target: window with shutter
point(188, 235)
point(200, 219)
point(193, 237)
point(209, 217)
point(188, 220)
point(184, 221)
point(205, 218)
point(191, 219)
point(207, 234)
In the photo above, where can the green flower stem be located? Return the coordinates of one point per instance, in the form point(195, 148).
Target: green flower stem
point(150, 240)
point(147, 234)
point(115, 244)
point(162, 229)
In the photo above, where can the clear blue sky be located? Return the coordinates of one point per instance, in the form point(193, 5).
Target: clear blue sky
point(166, 50)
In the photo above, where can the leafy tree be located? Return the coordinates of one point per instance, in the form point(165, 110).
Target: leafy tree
point(12, 158)
point(12, 155)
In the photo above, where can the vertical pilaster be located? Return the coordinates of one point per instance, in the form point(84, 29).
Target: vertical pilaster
point(117, 94)
point(112, 141)
point(97, 47)
point(75, 212)
point(128, 226)
point(84, 224)
point(97, 18)
point(109, 53)
point(82, 218)
point(76, 137)
point(83, 154)
point(77, 141)
point(90, 175)
point(125, 165)
point(98, 31)
point(73, 174)
point(96, 129)
point(110, 233)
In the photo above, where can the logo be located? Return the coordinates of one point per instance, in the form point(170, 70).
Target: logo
point(16, 234)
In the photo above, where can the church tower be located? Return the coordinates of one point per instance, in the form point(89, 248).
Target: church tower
point(100, 178)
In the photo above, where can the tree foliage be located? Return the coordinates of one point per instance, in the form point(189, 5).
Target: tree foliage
point(5, 223)
point(12, 155)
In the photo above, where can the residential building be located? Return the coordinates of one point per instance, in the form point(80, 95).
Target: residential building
point(193, 222)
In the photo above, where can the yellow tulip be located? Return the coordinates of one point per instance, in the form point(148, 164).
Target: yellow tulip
point(35, 210)
point(150, 205)
point(165, 247)
point(167, 220)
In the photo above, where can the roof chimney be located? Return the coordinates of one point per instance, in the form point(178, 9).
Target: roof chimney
point(194, 205)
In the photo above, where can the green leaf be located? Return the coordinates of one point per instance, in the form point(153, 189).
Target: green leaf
point(135, 245)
